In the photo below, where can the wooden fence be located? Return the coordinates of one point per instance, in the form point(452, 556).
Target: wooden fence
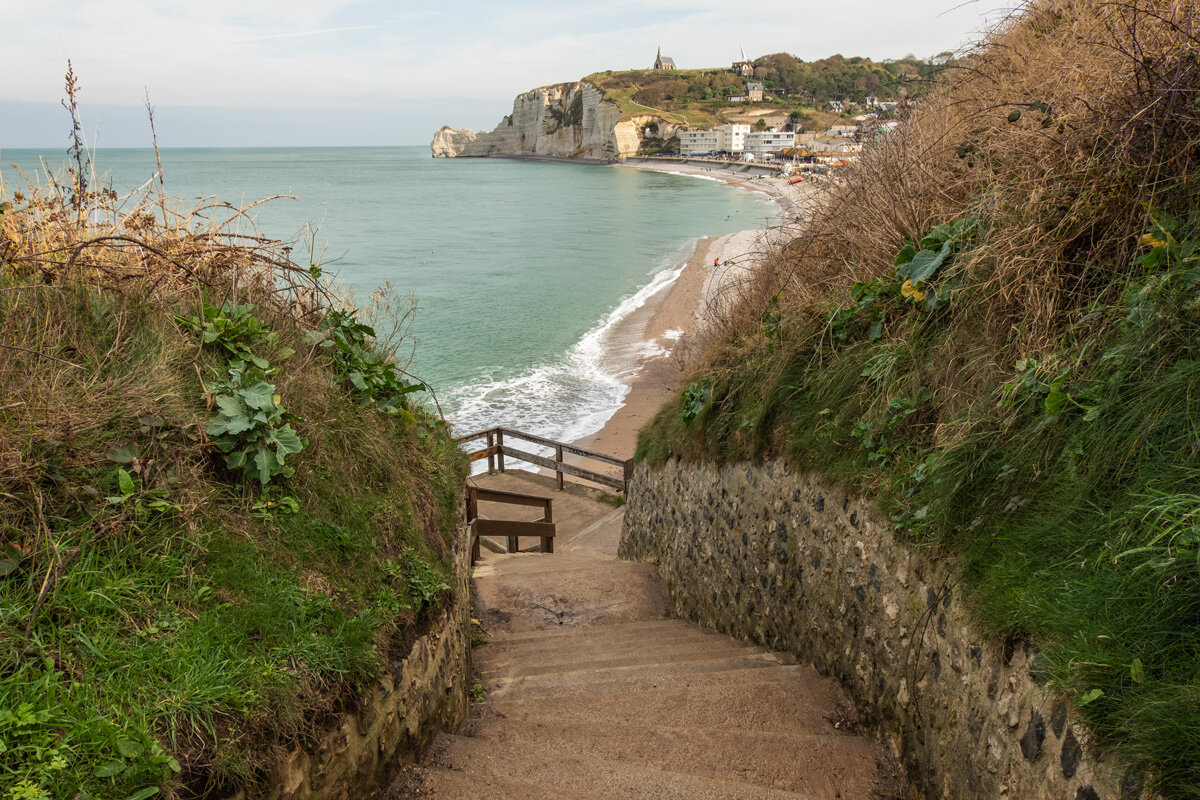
point(497, 449)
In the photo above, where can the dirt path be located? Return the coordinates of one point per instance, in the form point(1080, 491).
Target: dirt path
point(595, 692)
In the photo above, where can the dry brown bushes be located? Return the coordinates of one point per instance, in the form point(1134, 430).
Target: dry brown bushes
point(1060, 133)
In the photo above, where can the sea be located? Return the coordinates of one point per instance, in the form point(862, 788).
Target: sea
point(519, 267)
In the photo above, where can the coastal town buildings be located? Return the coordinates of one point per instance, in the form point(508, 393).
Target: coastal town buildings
point(724, 139)
point(754, 91)
point(760, 144)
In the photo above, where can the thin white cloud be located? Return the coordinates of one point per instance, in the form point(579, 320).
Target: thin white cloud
point(302, 34)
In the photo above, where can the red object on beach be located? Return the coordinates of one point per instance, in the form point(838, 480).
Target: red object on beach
point(716, 262)
point(796, 180)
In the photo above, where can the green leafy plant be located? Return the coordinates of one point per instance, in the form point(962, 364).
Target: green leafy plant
point(694, 398)
point(423, 581)
point(251, 428)
point(234, 330)
point(918, 264)
point(143, 499)
point(374, 379)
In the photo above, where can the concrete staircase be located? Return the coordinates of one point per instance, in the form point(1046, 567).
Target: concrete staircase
point(595, 692)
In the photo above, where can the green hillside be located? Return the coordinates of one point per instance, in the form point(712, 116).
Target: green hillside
point(697, 97)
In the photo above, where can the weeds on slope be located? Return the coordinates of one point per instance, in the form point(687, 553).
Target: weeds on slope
point(173, 611)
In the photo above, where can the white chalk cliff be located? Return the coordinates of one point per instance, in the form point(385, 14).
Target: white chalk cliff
point(568, 120)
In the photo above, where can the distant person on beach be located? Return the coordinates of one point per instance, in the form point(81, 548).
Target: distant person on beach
point(716, 262)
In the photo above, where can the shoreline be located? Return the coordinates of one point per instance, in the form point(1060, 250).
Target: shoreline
point(671, 324)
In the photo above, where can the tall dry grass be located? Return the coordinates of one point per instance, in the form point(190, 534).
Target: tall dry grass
point(1107, 128)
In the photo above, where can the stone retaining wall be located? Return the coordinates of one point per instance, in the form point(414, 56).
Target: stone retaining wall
point(790, 562)
point(425, 693)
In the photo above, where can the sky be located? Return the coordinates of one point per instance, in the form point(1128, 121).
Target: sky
point(380, 72)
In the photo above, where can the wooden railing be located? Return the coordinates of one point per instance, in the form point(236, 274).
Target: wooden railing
point(496, 450)
point(510, 529)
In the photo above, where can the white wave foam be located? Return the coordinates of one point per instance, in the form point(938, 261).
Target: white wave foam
point(693, 175)
point(572, 397)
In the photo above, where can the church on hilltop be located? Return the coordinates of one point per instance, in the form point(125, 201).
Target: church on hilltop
point(663, 62)
point(745, 67)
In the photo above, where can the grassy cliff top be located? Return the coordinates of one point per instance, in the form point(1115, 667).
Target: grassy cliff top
point(222, 512)
point(992, 325)
point(696, 97)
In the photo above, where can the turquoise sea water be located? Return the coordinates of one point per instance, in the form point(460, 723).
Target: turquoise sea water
point(518, 266)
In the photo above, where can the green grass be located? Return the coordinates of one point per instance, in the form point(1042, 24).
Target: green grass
point(190, 621)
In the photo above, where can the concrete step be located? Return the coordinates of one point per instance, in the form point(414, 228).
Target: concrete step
point(592, 658)
point(700, 676)
point(533, 685)
point(594, 637)
point(630, 628)
point(467, 785)
point(584, 777)
point(822, 766)
point(785, 706)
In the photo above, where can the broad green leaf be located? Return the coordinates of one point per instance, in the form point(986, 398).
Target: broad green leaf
point(125, 481)
point(1091, 696)
point(1055, 401)
point(124, 455)
point(109, 769)
point(231, 405)
point(260, 396)
point(267, 464)
point(288, 441)
point(356, 378)
point(906, 253)
point(142, 794)
point(236, 425)
point(1136, 671)
point(8, 565)
point(130, 749)
point(924, 265)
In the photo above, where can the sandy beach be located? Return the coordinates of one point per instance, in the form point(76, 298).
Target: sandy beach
point(660, 338)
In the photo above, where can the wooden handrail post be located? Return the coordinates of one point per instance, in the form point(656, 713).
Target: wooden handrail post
point(558, 473)
point(628, 469)
point(548, 516)
point(491, 440)
point(499, 447)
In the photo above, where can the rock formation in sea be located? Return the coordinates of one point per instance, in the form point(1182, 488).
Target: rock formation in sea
point(567, 120)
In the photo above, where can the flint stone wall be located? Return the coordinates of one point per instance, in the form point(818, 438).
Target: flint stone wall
point(791, 562)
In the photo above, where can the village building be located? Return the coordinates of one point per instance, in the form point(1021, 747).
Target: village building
point(842, 131)
point(745, 67)
point(760, 144)
point(663, 62)
point(710, 141)
point(754, 91)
